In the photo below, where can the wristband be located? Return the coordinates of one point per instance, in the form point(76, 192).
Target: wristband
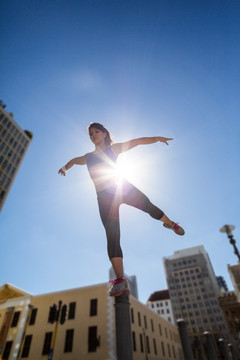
point(64, 169)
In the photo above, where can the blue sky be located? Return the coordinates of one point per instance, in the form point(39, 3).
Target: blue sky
point(142, 68)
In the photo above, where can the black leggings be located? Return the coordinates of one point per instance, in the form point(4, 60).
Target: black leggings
point(109, 202)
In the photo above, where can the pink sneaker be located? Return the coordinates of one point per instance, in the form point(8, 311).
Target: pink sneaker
point(119, 286)
point(175, 227)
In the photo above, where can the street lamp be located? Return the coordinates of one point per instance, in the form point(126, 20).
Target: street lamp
point(228, 230)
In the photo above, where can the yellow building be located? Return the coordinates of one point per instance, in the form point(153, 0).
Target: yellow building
point(85, 332)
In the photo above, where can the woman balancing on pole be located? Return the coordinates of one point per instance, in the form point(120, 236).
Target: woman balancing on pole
point(101, 164)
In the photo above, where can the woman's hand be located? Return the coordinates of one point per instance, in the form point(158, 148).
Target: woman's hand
point(81, 160)
point(164, 140)
point(62, 172)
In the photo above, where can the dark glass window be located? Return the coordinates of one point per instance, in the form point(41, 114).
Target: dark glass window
point(2, 194)
point(155, 346)
point(139, 319)
point(132, 315)
point(69, 340)
point(15, 319)
point(147, 343)
point(7, 350)
point(47, 343)
point(134, 341)
point(141, 343)
point(93, 307)
point(26, 346)
point(72, 309)
point(92, 339)
point(33, 317)
point(152, 325)
point(160, 329)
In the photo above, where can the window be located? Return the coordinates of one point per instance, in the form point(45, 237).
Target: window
point(8, 168)
point(163, 349)
point(69, 340)
point(141, 342)
point(132, 315)
point(26, 346)
point(147, 343)
point(47, 343)
point(173, 350)
point(169, 351)
point(2, 194)
point(13, 171)
point(93, 307)
point(7, 350)
point(152, 325)
point(160, 329)
point(71, 312)
point(4, 164)
point(15, 319)
point(33, 317)
point(145, 322)
point(139, 319)
point(134, 341)
point(92, 339)
point(155, 346)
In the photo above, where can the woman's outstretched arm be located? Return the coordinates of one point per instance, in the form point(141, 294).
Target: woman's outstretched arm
point(118, 148)
point(81, 160)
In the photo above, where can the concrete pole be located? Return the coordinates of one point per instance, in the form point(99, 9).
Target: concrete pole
point(123, 327)
point(232, 352)
point(210, 348)
point(186, 345)
point(224, 350)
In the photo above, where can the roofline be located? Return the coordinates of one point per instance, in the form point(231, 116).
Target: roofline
point(73, 289)
point(15, 288)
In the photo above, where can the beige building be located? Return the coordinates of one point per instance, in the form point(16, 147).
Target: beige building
point(231, 308)
point(87, 331)
point(234, 272)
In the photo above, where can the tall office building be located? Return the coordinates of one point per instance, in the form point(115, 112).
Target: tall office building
point(14, 143)
point(222, 284)
point(132, 280)
point(194, 292)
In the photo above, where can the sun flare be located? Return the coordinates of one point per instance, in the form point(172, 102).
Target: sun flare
point(126, 169)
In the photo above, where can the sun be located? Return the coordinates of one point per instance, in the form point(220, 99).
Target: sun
point(127, 169)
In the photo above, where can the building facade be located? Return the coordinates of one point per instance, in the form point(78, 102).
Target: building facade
point(194, 293)
point(132, 280)
point(231, 309)
point(161, 304)
point(234, 273)
point(85, 328)
point(14, 143)
point(222, 284)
